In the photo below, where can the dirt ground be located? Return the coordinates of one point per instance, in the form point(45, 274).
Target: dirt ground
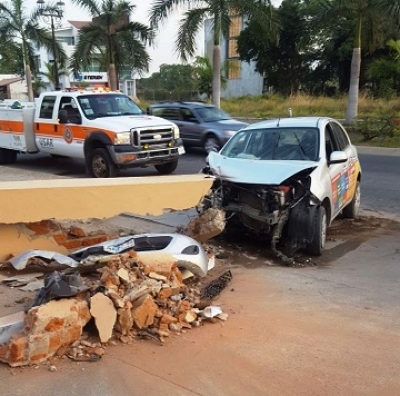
point(315, 328)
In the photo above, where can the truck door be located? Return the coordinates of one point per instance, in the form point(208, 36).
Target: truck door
point(71, 132)
point(46, 129)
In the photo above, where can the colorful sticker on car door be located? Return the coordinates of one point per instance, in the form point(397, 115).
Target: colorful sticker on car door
point(341, 187)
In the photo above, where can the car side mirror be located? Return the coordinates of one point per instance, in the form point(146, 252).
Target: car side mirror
point(337, 157)
point(63, 117)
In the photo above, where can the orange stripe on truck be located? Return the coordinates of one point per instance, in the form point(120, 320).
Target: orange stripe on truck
point(78, 132)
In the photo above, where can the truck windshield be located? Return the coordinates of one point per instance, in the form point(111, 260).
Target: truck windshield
point(107, 105)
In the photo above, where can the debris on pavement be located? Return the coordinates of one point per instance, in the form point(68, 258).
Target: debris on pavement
point(206, 225)
point(9, 325)
point(124, 295)
point(214, 288)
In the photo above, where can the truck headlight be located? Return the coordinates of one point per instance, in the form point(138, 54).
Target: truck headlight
point(122, 138)
point(175, 132)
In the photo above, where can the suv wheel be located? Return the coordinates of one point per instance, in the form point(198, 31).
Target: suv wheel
point(211, 143)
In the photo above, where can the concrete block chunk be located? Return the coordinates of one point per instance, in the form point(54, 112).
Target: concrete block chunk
point(105, 315)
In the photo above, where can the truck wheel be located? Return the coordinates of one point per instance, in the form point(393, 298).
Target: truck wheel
point(100, 164)
point(7, 156)
point(211, 143)
point(166, 169)
point(351, 210)
point(318, 227)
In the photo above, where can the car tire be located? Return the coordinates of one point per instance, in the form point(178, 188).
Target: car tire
point(100, 164)
point(318, 227)
point(166, 169)
point(7, 156)
point(211, 143)
point(351, 210)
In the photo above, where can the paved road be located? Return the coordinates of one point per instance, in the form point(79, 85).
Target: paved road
point(380, 182)
point(330, 329)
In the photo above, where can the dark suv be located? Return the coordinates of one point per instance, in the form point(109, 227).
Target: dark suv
point(200, 124)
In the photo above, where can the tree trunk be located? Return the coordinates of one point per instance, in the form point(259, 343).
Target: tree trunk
point(112, 77)
point(352, 104)
point(28, 76)
point(216, 81)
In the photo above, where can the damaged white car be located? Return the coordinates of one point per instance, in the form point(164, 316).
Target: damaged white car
point(287, 179)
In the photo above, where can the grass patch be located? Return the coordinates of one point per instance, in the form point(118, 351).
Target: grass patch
point(377, 125)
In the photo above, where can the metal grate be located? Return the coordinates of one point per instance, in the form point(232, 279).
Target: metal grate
point(152, 136)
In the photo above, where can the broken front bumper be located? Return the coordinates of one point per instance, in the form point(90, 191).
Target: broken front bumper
point(187, 252)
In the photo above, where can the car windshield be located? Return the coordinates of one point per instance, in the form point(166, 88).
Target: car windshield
point(211, 113)
point(274, 144)
point(107, 105)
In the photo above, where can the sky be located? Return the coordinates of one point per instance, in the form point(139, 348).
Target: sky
point(163, 50)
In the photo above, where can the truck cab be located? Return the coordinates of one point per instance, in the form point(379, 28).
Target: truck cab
point(107, 129)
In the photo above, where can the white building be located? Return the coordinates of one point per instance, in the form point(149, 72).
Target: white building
point(242, 79)
point(94, 76)
point(13, 86)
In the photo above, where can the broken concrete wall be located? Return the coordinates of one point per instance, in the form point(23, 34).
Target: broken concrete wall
point(128, 298)
point(47, 328)
point(47, 235)
point(39, 201)
point(98, 198)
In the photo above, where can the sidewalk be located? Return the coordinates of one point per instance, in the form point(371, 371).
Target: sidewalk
point(169, 221)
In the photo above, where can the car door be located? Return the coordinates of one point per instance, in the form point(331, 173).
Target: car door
point(192, 130)
point(341, 174)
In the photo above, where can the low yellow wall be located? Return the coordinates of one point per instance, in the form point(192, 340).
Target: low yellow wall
point(80, 199)
point(28, 201)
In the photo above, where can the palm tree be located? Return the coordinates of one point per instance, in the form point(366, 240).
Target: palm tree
point(368, 13)
point(112, 39)
point(203, 72)
point(50, 74)
point(25, 30)
point(218, 12)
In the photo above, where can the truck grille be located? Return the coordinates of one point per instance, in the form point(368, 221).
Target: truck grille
point(151, 136)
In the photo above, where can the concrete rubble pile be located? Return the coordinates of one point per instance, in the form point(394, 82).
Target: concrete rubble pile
point(132, 295)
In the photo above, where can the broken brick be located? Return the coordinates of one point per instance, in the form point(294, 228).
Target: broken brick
point(77, 231)
point(207, 225)
point(144, 311)
point(44, 227)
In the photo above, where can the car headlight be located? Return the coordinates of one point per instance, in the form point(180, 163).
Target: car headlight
point(122, 138)
point(175, 132)
point(228, 132)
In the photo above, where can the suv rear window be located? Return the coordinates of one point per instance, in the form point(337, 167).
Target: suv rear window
point(169, 113)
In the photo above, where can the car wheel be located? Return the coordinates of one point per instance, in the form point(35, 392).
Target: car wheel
point(211, 143)
point(100, 164)
point(318, 227)
point(166, 169)
point(7, 156)
point(351, 210)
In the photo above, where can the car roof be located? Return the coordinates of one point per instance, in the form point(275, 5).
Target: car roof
point(176, 103)
point(286, 122)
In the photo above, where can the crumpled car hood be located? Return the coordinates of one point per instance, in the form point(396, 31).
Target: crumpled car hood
point(255, 171)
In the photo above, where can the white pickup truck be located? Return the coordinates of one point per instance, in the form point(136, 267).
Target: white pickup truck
point(107, 129)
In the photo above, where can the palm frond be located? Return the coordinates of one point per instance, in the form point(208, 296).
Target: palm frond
point(190, 26)
point(161, 9)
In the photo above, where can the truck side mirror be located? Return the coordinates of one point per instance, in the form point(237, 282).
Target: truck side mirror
point(63, 117)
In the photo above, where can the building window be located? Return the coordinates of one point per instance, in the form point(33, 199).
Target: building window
point(66, 40)
point(233, 55)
